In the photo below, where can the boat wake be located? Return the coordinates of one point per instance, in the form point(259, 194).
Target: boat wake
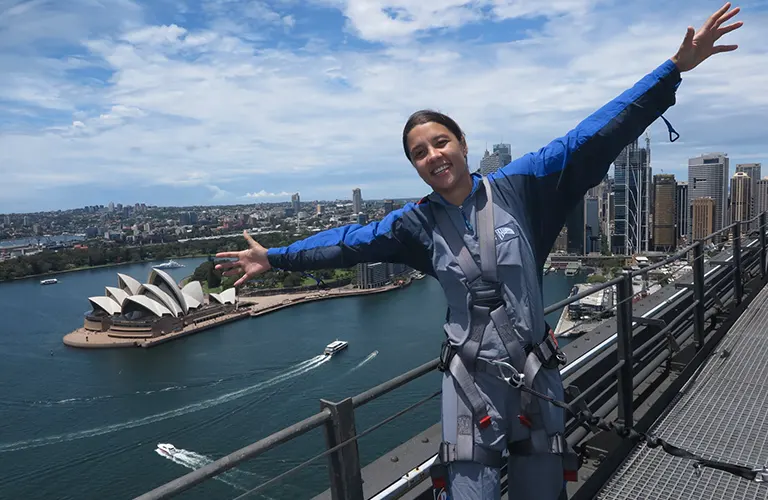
point(192, 460)
point(366, 360)
point(293, 372)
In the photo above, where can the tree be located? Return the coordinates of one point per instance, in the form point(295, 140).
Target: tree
point(605, 249)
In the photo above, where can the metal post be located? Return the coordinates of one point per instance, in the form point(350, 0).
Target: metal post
point(624, 348)
point(737, 282)
point(343, 464)
point(762, 244)
point(698, 294)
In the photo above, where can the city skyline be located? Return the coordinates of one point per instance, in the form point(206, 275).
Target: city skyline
point(213, 102)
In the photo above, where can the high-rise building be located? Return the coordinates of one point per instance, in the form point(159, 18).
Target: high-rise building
point(389, 205)
point(741, 196)
point(664, 237)
point(708, 178)
point(702, 217)
point(753, 170)
point(296, 203)
point(682, 211)
point(357, 201)
point(632, 195)
point(591, 225)
point(320, 209)
point(761, 197)
point(505, 153)
point(490, 163)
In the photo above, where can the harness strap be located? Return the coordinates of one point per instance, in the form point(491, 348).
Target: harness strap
point(487, 239)
point(449, 453)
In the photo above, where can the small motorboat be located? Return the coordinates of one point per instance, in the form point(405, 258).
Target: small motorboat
point(49, 281)
point(167, 450)
point(335, 346)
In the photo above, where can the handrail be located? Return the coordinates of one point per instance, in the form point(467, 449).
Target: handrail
point(327, 415)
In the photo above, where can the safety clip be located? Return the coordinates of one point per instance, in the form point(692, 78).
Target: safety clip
point(516, 380)
point(761, 474)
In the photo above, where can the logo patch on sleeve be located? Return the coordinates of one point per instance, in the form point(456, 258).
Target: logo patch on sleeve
point(505, 233)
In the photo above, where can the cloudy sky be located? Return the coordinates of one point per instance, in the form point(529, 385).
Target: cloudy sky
point(181, 102)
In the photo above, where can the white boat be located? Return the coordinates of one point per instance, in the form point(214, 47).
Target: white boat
point(49, 281)
point(166, 449)
point(171, 264)
point(335, 346)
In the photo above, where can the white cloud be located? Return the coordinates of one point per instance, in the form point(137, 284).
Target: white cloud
point(264, 194)
point(176, 104)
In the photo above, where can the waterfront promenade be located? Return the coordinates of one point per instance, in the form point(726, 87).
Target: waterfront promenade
point(254, 306)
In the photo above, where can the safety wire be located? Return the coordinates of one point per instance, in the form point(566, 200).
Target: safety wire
point(590, 422)
point(338, 446)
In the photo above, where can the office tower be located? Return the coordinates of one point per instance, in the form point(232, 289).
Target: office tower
point(591, 225)
point(741, 196)
point(389, 205)
point(505, 153)
point(632, 193)
point(708, 178)
point(761, 197)
point(702, 217)
point(664, 238)
point(753, 170)
point(357, 201)
point(296, 203)
point(490, 163)
point(682, 211)
point(320, 209)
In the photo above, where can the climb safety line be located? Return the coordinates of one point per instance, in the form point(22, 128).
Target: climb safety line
point(589, 421)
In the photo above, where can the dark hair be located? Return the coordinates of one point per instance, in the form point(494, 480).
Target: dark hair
point(429, 116)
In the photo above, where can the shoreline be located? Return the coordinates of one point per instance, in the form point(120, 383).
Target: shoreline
point(100, 266)
point(258, 306)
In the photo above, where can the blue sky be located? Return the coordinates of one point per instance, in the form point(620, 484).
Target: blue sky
point(177, 102)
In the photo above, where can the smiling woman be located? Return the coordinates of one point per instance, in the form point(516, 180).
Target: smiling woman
point(485, 239)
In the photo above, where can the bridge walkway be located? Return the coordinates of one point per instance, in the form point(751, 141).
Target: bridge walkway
point(722, 414)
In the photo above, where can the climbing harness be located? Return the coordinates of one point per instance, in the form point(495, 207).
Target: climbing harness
point(487, 306)
point(589, 421)
point(519, 370)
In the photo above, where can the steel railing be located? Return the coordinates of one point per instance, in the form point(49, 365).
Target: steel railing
point(695, 303)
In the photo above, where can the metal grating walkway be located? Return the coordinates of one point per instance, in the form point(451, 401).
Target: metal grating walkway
point(722, 415)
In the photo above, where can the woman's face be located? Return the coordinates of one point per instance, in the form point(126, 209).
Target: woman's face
point(438, 156)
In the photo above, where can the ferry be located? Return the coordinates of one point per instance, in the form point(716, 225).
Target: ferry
point(335, 346)
point(171, 264)
point(49, 281)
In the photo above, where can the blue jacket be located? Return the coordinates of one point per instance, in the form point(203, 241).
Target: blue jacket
point(532, 196)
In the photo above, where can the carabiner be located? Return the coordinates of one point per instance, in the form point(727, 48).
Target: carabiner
point(516, 380)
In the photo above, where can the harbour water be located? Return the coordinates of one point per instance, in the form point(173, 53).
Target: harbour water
point(85, 424)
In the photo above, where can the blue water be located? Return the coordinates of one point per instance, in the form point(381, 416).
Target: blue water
point(85, 423)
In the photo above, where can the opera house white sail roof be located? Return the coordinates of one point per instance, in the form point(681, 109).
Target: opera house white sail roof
point(159, 296)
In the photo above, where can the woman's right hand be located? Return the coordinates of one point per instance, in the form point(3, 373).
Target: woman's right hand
point(252, 261)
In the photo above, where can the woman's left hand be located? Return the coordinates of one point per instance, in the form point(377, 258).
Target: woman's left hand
point(698, 46)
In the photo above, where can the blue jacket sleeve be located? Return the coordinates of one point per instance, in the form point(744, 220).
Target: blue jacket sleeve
point(388, 240)
point(548, 184)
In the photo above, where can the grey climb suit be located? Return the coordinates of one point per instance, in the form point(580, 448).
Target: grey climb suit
point(532, 196)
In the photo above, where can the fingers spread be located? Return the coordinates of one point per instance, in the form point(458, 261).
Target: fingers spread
point(231, 272)
point(727, 16)
point(227, 255)
point(724, 48)
point(728, 29)
point(251, 242)
point(227, 265)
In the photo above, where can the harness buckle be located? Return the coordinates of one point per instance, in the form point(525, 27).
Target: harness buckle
point(486, 294)
point(447, 352)
point(549, 353)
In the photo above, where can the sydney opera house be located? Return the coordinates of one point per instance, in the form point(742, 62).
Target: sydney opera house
point(134, 310)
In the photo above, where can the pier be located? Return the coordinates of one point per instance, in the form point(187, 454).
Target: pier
point(686, 362)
